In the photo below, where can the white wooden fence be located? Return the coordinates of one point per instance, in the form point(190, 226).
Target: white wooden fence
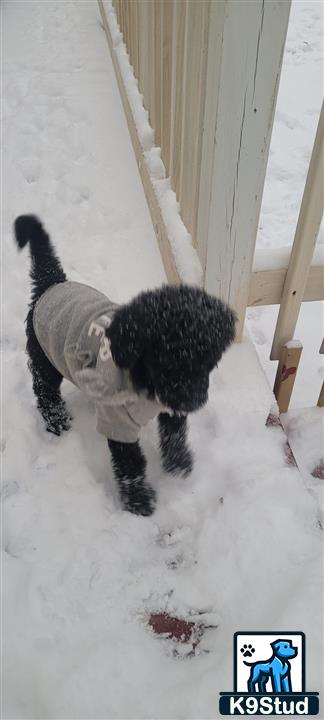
point(209, 73)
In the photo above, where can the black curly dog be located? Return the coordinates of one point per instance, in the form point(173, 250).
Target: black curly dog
point(169, 339)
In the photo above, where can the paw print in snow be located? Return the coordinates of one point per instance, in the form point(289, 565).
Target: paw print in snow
point(247, 650)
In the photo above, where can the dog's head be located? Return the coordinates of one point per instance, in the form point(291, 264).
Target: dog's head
point(170, 339)
point(284, 649)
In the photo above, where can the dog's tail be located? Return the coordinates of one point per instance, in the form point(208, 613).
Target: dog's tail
point(46, 269)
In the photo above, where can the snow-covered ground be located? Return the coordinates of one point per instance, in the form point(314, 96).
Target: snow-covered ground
point(240, 540)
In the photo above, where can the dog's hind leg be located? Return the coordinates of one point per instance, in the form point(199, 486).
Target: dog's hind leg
point(129, 465)
point(46, 384)
point(262, 684)
point(176, 456)
point(251, 686)
point(253, 679)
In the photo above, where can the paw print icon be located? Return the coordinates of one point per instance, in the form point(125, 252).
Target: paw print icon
point(247, 650)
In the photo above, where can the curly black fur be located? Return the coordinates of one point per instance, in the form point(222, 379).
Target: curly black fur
point(129, 465)
point(169, 339)
point(176, 456)
point(46, 270)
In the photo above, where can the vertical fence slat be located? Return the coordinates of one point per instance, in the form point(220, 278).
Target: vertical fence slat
point(136, 38)
point(213, 78)
point(116, 5)
point(167, 59)
point(252, 39)
point(308, 225)
point(133, 35)
point(133, 32)
point(195, 76)
point(177, 96)
point(157, 78)
point(144, 54)
point(202, 84)
point(126, 23)
point(122, 18)
point(118, 12)
point(286, 374)
point(130, 41)
point(320, 401)
point(129, 28)
point(121, 15)
point(151, 56)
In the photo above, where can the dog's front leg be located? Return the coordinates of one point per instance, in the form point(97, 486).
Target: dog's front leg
point(176, 456)
point(276, 682)
point(286, 684)
point(129, 465)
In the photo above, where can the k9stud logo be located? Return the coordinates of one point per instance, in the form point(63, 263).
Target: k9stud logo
point(269, 676)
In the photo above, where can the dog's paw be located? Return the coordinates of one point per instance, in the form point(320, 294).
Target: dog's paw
point(247, 650)
point(178, 463)
point(139, 500)
point(58, 428)
point(58, 421)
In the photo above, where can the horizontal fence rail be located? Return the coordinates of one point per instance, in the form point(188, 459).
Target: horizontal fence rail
point(269, 274)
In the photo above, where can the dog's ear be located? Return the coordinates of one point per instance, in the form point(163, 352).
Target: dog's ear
point(127, 336)
point(275, 645)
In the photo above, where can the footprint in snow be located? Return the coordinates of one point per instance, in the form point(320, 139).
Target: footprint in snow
point(181, 561)
point(81, 195)
point(258, 337)
point(30, 169)
point(45, 462)
point(177, 545)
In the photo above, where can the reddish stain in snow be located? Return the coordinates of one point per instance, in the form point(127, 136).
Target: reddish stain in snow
point(290, 458)
point(173, 627)
point(179, 630)
point(274, 421)
point(318, 471)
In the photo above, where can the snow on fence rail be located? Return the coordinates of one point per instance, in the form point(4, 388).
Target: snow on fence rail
point(166, 41)
point(208, 75)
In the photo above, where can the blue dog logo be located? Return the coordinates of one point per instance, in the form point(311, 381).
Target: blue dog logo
point(276, 669)
point(269, 687)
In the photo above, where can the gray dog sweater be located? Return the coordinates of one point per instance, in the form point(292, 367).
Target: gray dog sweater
point(70, 321)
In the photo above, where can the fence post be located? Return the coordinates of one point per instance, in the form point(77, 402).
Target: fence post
point(245, 49)
point(308, 225)
point(286, 373)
